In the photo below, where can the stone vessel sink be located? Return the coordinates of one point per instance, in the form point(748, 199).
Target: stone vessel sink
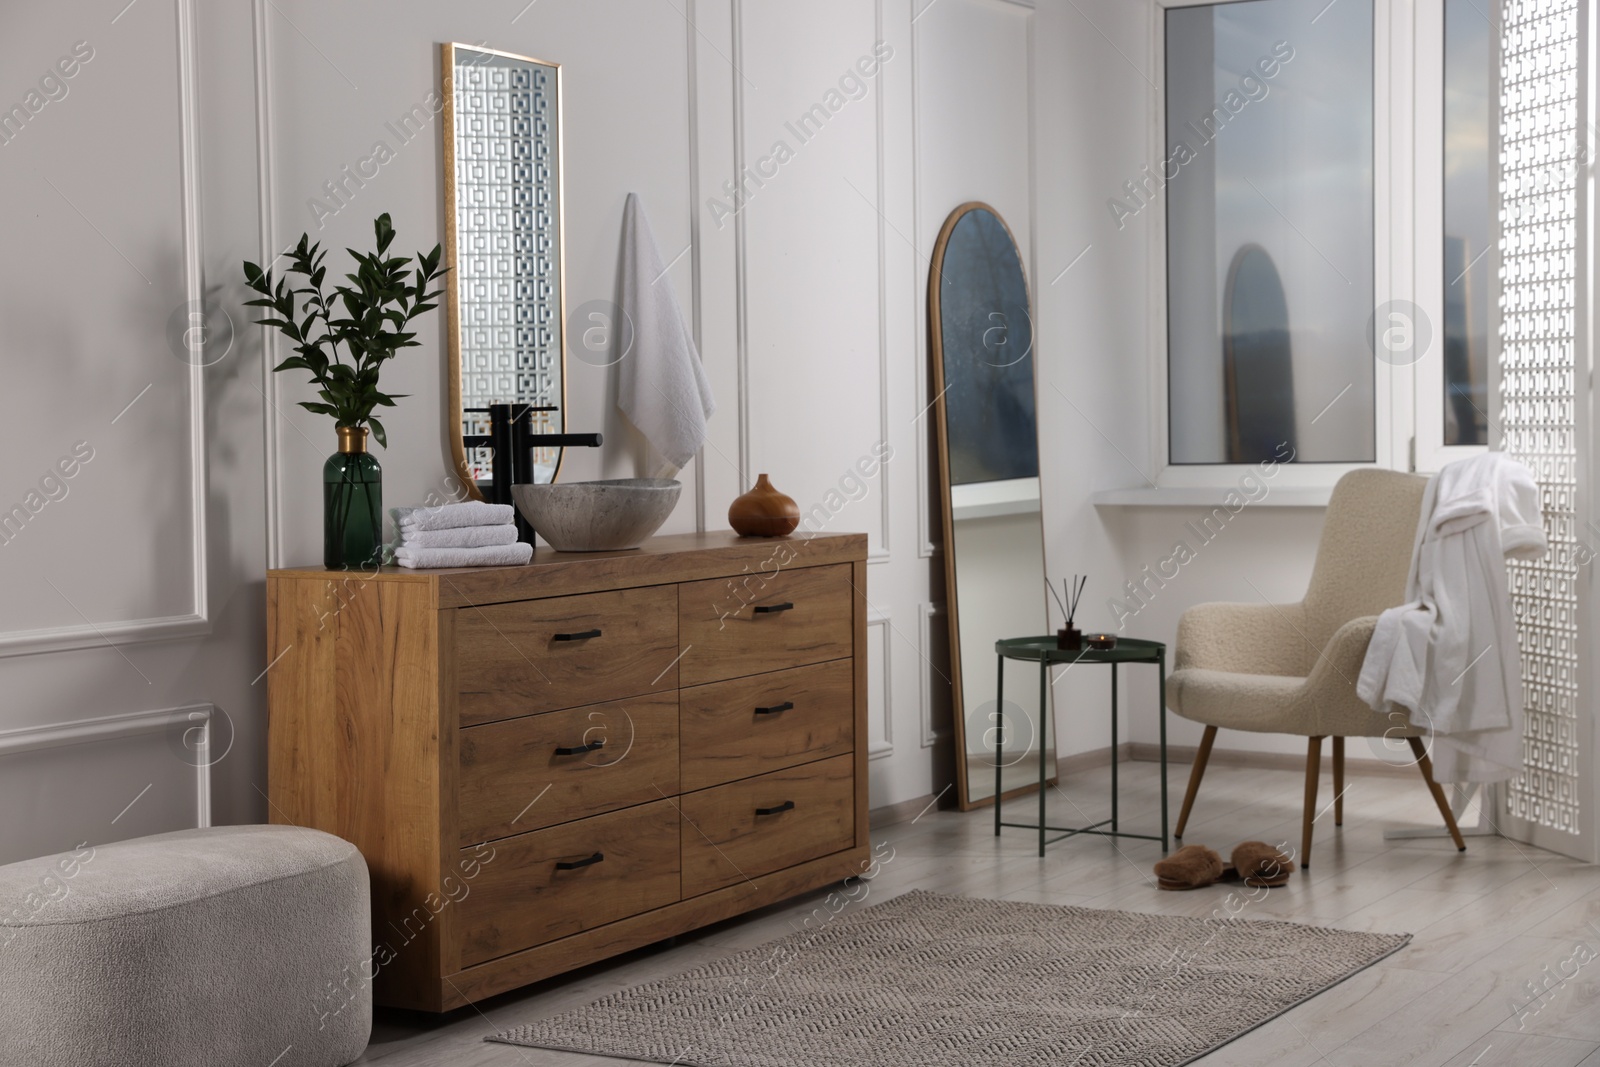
point(600, 516)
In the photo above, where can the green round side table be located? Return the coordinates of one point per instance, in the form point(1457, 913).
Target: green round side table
point(1043, 651)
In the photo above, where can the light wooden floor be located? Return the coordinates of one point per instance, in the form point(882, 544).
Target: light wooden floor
point(1488, 923)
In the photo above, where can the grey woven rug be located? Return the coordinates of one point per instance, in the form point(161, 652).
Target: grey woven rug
point(927, 980)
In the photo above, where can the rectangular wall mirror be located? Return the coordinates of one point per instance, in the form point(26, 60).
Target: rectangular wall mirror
point(504, 235)
point(981, 346)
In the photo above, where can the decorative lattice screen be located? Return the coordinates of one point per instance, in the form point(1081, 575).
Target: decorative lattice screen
point(1540, 182)
point(506, 170)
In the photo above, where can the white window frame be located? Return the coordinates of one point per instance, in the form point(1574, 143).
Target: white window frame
point(1427, 384)
point(1407, 219)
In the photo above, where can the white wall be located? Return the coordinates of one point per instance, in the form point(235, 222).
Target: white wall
point(140, 592)
point(975, 142)
point(808, 298)
point(1094, 99)
point(135, 597)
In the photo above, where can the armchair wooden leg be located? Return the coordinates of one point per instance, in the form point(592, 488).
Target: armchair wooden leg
point(1338, 781)
point(1313, 773)
point(1421, 753)
point(1195, 774)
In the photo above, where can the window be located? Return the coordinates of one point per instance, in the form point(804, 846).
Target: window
point(1467, 206)
point(1268, 158)
point(1324, 178)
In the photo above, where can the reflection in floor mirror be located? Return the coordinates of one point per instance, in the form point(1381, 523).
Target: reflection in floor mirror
point(981, 344)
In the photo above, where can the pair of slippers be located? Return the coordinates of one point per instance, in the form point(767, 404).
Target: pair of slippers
point(1255, 863)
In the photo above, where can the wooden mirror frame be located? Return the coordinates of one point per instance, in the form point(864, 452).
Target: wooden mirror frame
point(952, 606)
point(453, 390)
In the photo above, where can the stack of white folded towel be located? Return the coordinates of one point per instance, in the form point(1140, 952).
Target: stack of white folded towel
point(471, 534)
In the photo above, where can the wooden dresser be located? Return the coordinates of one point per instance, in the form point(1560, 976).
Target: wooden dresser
point(548, 765)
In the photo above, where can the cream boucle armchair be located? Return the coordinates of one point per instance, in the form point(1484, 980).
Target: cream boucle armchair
point(1292, 668)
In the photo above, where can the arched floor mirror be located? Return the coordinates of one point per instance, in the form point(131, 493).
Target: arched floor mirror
point(980, 323)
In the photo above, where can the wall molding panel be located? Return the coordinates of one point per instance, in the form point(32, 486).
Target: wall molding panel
point(919, 284)
point(927, 612)
point(101, 635)
point(194, 277)
point(193, 721)
point(741, 256)
point(196, 622)
point(265, 185)
point(696, 289)
point(879, 748)
point(880, 553)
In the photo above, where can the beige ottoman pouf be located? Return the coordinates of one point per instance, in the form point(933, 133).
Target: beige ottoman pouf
point(204, 948)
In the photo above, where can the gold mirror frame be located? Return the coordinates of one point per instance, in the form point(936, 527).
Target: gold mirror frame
point(952, 601)
point(453, 399)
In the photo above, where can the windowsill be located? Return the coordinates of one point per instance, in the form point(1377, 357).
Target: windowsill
point(1311, 496)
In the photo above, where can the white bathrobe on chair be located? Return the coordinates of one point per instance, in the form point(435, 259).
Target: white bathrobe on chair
point(1450, 655)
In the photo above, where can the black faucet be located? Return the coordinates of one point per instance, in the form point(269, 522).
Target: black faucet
point(512, 440)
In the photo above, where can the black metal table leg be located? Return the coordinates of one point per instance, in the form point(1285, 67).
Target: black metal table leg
point(1161, 675)
point(1044, 746)
point(999, 734)
point(1113, 747)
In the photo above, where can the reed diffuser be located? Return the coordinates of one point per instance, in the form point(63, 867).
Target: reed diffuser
point(1069, 638)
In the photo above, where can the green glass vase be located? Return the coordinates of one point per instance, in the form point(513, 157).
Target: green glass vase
point(352, 504)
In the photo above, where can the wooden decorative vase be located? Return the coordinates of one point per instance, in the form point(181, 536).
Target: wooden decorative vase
point(764, 512)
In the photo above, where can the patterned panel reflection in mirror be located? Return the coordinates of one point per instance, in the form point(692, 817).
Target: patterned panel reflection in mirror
point(502, 169)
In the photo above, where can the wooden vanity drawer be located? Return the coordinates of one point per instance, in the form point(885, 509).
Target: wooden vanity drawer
point(522, 898)
point(733, 842)
point(731, 627)
point(539, 770)
point(766, 722)
point(544, 655)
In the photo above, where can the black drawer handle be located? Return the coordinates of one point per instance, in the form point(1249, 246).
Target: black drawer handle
point(582, 636)
point(773, 609)
point(578, 750)
point(572, 865)
point(787, 805)
point(787, 705)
